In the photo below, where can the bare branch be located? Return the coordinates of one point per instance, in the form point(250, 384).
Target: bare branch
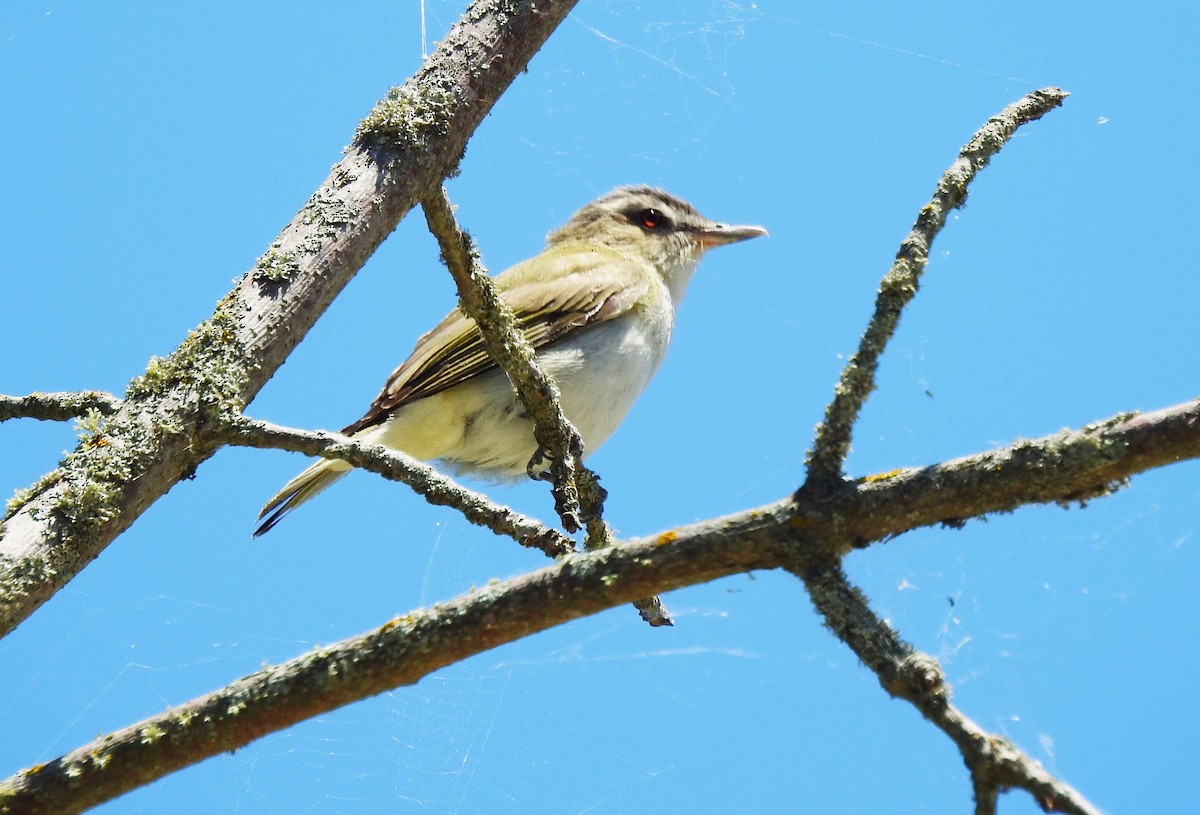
point(995, 763)
point(899, 286)
point(398, 653)
point(1064, 468)
point(987, 796)
point(436, 488)
point(57, 407)
point(512, 352)
point(409, 142)
point(805, 539)
point(577, 491)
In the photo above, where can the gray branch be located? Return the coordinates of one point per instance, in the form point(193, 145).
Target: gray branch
point(995, 763)
point(805, 539)
point(577, 491)
point(497, 324)
point(57, 407)
point(435, 487)
point(832, 442)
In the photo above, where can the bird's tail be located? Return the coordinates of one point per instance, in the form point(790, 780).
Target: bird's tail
point(300, 489)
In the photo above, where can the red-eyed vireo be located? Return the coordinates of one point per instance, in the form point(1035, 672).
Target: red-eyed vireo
point(598, 305)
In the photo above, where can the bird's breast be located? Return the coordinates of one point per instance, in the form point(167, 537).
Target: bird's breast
point(478, 427)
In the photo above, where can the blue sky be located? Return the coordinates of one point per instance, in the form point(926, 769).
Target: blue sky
point(150, 152)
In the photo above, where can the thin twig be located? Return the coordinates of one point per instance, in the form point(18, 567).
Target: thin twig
point(833, 435)
point(994, 762)
point(509, 348)
point(436, 488)
point(57, 407)
point(578, 495)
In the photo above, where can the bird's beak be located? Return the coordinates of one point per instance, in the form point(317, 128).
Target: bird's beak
point(721, 234)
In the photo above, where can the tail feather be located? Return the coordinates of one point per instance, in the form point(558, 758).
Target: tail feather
point(299, 490)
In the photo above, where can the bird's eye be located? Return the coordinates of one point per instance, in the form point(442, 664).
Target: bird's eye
point(651, 218)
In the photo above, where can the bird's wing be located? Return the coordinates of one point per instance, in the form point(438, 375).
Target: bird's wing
point(580, 286)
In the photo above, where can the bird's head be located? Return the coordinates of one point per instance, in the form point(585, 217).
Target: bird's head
point(653, 225)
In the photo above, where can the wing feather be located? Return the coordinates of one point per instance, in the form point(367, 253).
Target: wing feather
point(587, 285)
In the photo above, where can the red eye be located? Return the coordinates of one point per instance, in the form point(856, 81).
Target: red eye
point(651, 218)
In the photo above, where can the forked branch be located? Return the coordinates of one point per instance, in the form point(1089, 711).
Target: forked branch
point(833, 435)
point(806, 539)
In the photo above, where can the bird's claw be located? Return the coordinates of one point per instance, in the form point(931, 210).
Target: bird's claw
point(535, 469)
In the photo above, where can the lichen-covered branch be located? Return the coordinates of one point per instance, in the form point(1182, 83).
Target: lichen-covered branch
point(995, 763)
point(831, 443)
point(57, 407)
point(436, 488)
point(411, 141)
point(1073, 466)
point(513, 353)
point(398, 653)
point(576, 488)
point(805, 537)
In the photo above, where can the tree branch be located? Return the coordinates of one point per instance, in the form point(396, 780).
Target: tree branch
point(507, 346)
point(398, 653)
point(994, 762)
point(1073, 466)
point(435, 487)
point(804, 538)
point(576, 488)
point(832, 442)
point(57, 407)
point(409, 143)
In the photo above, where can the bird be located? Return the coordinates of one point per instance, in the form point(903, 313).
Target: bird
point(598, 306)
